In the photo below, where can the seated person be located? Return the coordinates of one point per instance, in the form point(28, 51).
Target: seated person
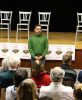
point(70, 74)
point(19, 76)
point(78, 91)
point(27, 90)
point(6, 78)
point(41, 77)
point(79, 78)
point(56, 90)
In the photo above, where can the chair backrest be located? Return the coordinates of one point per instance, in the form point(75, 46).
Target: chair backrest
point(6, 16)
point(79, 18)
point(24, 17)
point(44, 17)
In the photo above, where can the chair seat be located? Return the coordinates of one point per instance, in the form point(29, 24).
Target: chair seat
point(4, 26)
point(23, 24)
point(21, 29)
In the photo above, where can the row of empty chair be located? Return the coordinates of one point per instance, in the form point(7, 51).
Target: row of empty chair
point(24, 21)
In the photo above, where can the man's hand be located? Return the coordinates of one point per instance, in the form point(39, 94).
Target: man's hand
point(38, 57)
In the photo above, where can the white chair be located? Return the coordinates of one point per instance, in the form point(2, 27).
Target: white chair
point(24, 22)
point(5, 21)
point(79, 26)
point(44, 21)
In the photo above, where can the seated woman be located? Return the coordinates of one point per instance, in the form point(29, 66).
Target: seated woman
point(27, 90)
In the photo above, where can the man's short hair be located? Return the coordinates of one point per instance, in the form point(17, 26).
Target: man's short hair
point(57, 74)
point(37, 26)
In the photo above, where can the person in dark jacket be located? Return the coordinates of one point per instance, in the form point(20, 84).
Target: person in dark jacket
point(6, 78)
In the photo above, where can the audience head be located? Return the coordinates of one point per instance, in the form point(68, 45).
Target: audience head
point(80, 76)
point(67, 58)
point(27, 90)
point(13, 62)
point(5, 63)
point(19, 76)
point(78, 91)
point(57, 74)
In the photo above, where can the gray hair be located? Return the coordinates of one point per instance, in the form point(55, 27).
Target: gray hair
point(5, 63)
point(57, 74)
point(13, 61)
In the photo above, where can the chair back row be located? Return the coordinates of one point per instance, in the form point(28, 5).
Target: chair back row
point(24, 21)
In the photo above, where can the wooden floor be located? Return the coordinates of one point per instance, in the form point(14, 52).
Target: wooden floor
point(54, 38)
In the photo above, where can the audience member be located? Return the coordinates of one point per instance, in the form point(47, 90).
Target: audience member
point(79, 78)
point(70, 74)
point(6, 78)
point(27, 90)
point(41, 77)
point(56, 90)
point(78, 91)
point(19, 76)
point(4, 65)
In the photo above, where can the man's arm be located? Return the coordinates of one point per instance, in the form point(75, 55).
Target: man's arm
point(46, 47)
point(30, 48)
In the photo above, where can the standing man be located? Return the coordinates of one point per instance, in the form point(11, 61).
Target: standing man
point(38, 46)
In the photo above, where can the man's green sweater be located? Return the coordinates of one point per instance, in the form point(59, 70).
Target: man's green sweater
point(38, 45)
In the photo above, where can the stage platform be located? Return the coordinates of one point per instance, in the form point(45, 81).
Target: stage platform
point(54, 38)
point(67, 38)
